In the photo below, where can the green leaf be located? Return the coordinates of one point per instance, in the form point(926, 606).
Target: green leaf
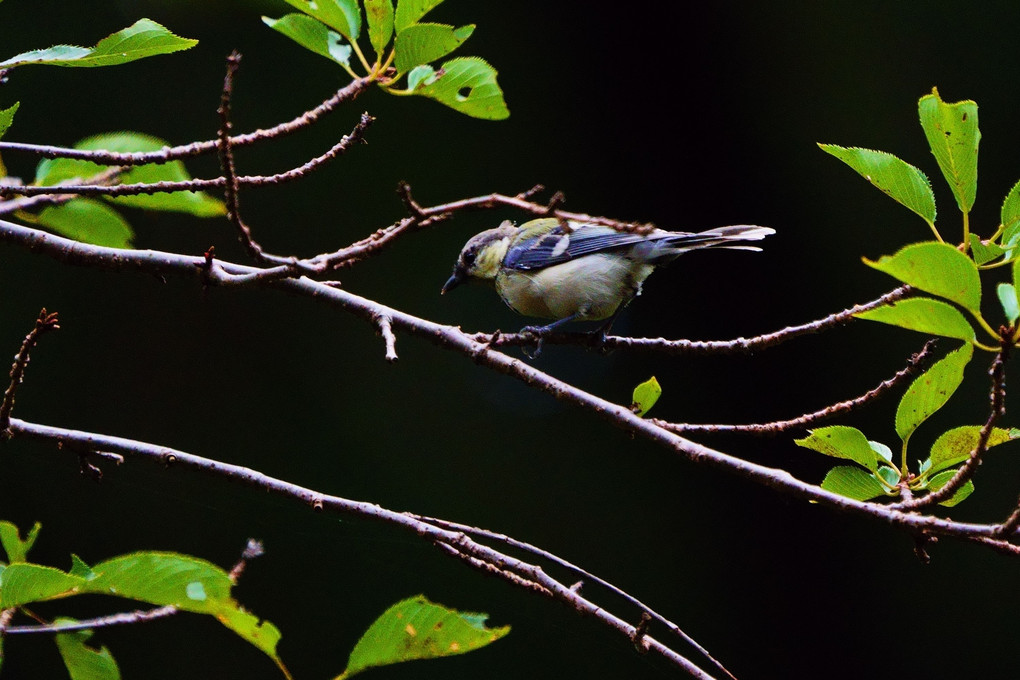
point(420, 75)
point(342, 15)
point(954, 446)
point(84, 662)
point(953, 135)
point(941, 479)
point(195, 203)
point(418, 629)
point(852, 482)
point(931, 390)
point(380, 24)
point(841, 441)
point(645, 396)
point(1008, 300)
point(144, 38)
point(423, 43)
point(1010, 216)
point(24, 583)
point(936, 268)
point(7, 118)
point(10, 538)
point(901, 181)
point(80, 569)
point(411, 11)
point(467, 85)
point(160, 578)
point(261, 634)
point(890, 475)
point(984, 252)
point(925, 315)
point(883, 451)
point(312, 35)
point(88, 221)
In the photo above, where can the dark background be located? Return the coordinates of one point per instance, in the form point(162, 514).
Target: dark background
point(689, 117)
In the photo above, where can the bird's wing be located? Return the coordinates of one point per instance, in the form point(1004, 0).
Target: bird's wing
point(542, 246)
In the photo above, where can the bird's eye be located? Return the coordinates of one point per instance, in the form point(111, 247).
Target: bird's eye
point(469, 258)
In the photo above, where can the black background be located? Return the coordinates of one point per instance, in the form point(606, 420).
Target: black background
point(689, 117)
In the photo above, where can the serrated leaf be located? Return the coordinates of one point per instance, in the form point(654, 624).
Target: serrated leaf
point(953, 135)
point(925, 315)
point(10, 539)
point(411, 11)
point(80, 569)
point(88, 221)
point(197, 203)
point(423, 43)
point(841, 441)
point(84, 662)
point(931, 390)
point(144, 38)
point(1008, 300)
point(852, 482)
point(954, 446)
point(343, 16)
point(936, 268)
point(882, 450)
point(984, 252)
point(941, 479)
point(467, 85)
point(1010, 216)
point(380, 24)
point(7, 118)
point(898, 179)
point(312, 35)
point(645, 396)
point(24, 583)
point(418, 629)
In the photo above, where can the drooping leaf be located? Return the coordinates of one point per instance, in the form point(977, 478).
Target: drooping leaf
point(411, 11)
point(161, 578)
point(468, 85)
point(418, 629)
point(953, 135)
point(852, 482)
point(941, 479)
point(7, 118)
point(984, 252)
point(144, 38)
point(1008, 300)
point(380, 23)
point(954, 446)
point(343, 16)
point(841, 441)
point(423, 43)
point(931, 390)
point(197, 203)
point(24, 583)
point(936, 268)
point(901, 181)
point(84, 662)
point(10, 538)
point(645, 396)
point(261, 634)
point(88, 221)
point(926, 315)
point(312, 35)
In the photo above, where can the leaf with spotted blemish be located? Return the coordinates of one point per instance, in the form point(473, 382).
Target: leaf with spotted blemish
point(931, 390)
point(418, 629)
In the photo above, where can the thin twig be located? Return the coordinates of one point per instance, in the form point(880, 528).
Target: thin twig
point(46, 321)
point(386, 331)
point(1011, 523)
point(776, 427)
point(347, 93)
point(226, 155)
point(119, 619)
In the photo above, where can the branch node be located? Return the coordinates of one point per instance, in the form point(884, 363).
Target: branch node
point(413, 207)
point(640, 630)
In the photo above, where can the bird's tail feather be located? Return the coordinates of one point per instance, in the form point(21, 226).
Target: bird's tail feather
point(731, 237)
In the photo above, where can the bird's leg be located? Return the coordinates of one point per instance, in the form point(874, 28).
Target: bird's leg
point(541, 331)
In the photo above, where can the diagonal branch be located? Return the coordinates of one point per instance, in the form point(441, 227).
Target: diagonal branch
point(47, 321)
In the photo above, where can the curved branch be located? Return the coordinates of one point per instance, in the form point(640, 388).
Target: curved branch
point(452, 338)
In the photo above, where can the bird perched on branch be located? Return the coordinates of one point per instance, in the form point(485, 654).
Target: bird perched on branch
point(575, 271)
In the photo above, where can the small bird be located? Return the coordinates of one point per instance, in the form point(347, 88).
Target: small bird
point(576, 271)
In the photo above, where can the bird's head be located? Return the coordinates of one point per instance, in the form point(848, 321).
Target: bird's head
point(482, 256)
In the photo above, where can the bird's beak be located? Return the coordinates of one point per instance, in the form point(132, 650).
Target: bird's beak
point(455, 280)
